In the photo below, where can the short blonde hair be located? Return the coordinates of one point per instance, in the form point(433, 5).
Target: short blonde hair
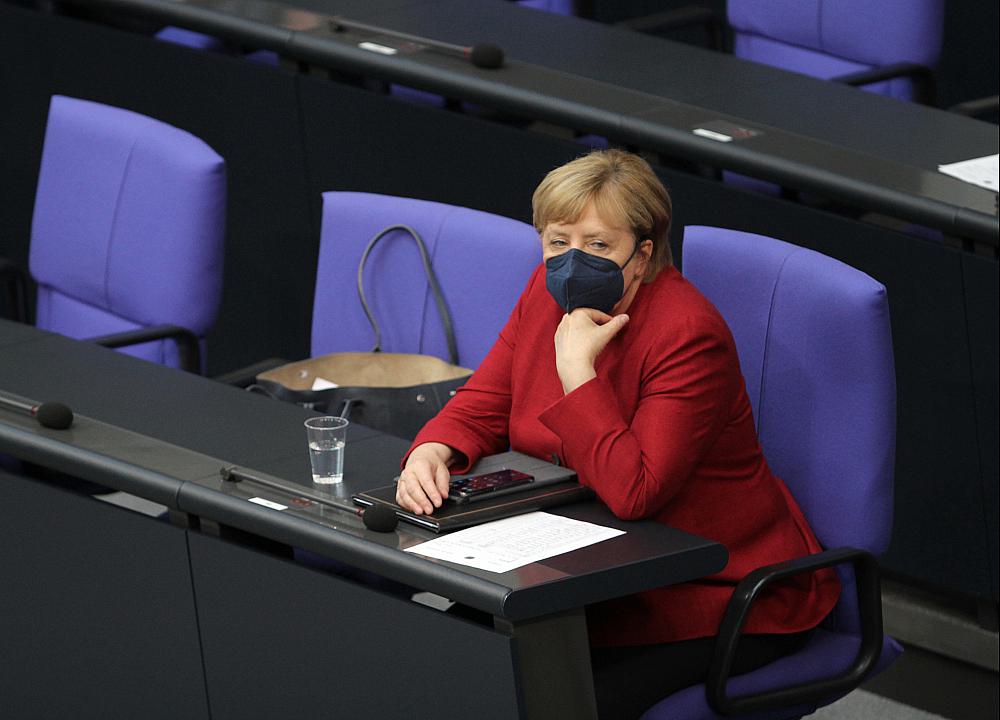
point(624, 191)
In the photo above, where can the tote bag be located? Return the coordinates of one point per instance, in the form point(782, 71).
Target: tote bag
point(396, 393)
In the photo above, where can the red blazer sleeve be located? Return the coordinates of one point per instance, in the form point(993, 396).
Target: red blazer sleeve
point(690, 377)
point(476, 422)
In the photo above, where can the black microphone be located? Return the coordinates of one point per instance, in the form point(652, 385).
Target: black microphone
point(380, 518)
point(52, 415)
point(482, 55)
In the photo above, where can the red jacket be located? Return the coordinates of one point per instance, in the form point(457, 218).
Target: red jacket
point(665, 432)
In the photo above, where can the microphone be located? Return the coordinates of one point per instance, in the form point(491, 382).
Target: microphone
point(483, 55)
point(52, 415)
point(380, 518)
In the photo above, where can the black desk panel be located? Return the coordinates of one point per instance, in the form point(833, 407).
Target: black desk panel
point(980, 279)
point(274, 639)
point(385, 145)
point(96, 612)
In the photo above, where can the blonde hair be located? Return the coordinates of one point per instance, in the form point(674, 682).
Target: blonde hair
point(624, 191)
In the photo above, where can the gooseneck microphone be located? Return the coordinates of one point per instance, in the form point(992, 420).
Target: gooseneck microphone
point(379, 518)
point(483, 55)
point(52, 415)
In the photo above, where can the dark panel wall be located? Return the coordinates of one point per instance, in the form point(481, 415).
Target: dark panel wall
point(270, 629)
point(97, 600)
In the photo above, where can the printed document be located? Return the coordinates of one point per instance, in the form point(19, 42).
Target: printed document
point(504, 545)
point(982, 171)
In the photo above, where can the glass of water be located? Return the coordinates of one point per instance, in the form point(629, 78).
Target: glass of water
point(327, 436)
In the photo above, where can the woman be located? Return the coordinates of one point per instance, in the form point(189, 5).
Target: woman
point(614, 363)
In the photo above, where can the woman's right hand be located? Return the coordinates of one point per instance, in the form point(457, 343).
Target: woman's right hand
point(423, 484)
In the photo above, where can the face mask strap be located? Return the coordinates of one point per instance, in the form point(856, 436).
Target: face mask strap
point(635, 249)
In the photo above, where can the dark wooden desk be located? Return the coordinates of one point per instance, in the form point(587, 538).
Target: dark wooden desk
point(274, 637)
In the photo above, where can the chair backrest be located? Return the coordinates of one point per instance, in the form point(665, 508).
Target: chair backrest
point(128, 226)
point(815, 347)
point(482, 262)
point(828, 38)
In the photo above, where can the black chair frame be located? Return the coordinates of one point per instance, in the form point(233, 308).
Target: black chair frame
point(867, 582)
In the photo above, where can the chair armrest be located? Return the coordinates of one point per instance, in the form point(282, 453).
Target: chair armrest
point(15, 281)
point(980, 107)
point(870, 607)
point(922, 75)
point(245, 376)
point(188, 346)
point(682, 17)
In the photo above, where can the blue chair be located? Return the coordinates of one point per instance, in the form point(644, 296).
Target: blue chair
point(890, 47)
point(815, 347)
point(127, 233)
point(483, 262)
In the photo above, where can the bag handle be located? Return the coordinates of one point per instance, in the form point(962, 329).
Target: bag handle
point(449, 331)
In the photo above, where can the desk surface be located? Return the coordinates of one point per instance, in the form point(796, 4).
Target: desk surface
point(874, 152)
point(198, 424)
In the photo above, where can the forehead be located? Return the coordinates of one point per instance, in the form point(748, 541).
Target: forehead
point(591, 219)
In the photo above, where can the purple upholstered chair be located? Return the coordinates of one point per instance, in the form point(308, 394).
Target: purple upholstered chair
point(127, 234)
point(885, 46)
point(815, 348)
point(482, 261)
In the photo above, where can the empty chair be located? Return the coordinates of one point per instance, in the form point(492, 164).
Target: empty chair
point(815, 348)
point(886, 46)
point(482, 261)
point(127, 232)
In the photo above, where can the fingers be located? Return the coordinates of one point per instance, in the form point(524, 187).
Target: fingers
point(422, 486)
point(614, 325)
point(442, 478)
point(596, 316)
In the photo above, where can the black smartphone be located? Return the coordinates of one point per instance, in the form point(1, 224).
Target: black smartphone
point(482, 487)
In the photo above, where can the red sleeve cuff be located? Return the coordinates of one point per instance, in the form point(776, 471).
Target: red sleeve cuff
point(455, 436)
point(584, 416)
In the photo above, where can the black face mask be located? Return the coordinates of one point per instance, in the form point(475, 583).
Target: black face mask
point(578, 279)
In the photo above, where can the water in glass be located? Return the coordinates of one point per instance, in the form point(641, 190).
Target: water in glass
point(327, 461)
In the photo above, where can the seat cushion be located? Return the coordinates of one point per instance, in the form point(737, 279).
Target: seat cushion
point(824, 655)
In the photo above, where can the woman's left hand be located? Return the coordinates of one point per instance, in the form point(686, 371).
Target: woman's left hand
point(579, 339)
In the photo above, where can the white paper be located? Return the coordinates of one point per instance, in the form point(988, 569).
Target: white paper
point(983, 171)
point(503, 545)
point(323, 384)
